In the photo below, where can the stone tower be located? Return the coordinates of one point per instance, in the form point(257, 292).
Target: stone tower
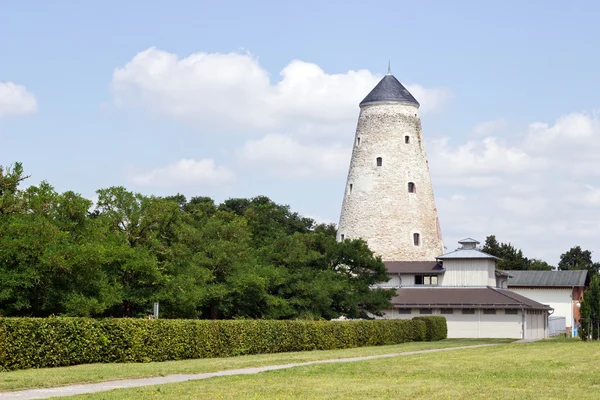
point(389, 200)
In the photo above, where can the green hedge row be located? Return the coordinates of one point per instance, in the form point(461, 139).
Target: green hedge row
point(436, 327)
point(60, 341)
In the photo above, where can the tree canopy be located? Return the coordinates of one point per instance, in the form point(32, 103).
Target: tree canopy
point(244, 258)
point(576, 258)
point(511, 257)
point(590, 311)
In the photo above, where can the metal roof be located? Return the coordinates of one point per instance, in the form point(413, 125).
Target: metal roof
point(389, 89)
point(414, 267)
point(466, 253)
point(463, 297)
point(547, 278)
point(468, 240)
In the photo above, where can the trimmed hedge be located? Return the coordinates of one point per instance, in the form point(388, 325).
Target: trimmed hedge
point(61, 341)
point(436, 327)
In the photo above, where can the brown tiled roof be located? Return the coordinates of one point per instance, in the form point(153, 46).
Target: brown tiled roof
point(414, 267)
point(451, 297)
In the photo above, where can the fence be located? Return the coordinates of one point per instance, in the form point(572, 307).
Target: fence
point(557, 325)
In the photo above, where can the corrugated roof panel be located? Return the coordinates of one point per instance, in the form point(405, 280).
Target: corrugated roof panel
point(547, 278)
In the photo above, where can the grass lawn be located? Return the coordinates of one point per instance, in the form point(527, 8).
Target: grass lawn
point(53, 377)
point(542, 370)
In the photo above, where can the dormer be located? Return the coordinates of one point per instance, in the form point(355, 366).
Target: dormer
point(469, 267)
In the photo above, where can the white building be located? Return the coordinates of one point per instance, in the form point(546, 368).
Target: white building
point(465, 287)
point(561, 290)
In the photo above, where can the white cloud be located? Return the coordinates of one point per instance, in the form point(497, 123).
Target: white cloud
point(282, 156)
point(479, 163)
point(234, 92)
point(537, 190)
point(488, 128)
point(184, 172)
point(16, 100)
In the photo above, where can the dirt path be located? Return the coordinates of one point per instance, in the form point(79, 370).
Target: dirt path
point(72, 390)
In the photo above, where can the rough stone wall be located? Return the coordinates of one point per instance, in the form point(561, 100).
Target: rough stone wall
point(377, 205)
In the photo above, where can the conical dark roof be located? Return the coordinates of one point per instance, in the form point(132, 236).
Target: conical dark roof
point(389, 89)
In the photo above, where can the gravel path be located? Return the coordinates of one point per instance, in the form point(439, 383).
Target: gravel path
point(72, 390)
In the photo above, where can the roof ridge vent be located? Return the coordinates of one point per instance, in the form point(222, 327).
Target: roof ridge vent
point(468, 244)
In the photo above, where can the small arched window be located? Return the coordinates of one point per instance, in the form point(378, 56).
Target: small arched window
point(350, 188)
point(342, 237)
point(407, 139)
point(358, 141)
point(411, 187)
point(416, 239)
point(379, 161)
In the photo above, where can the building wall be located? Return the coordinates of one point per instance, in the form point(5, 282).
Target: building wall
point(536, 324)
point(469, 272)
point(377, 206)
point(477, 325)
point(557, 298)
point(407, 279)
point(501, 282)
point(577, 296)
point(393, 282)
point(501, 325)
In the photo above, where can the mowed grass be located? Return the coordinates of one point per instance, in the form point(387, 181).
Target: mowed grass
point(53, 377)
point(541, 370)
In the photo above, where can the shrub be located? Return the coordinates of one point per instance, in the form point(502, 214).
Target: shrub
point(60, 341)
point(436, 327)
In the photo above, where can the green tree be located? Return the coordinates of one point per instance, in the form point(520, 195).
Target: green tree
point(246, 258)
point(10, 178)
point(511, 257)
point(137, 242)
point(268, 220)
point(540, 265)
point(590, 311)
point(51, 262)
point(577, 259)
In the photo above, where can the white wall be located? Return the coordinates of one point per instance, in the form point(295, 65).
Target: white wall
point(536, 325)
point(479, 325)
point(407, 279)
point(393, 314)
point(501, 282)
point(393, 282)
point(559, 299)
point(469, 272)
point(501, 325)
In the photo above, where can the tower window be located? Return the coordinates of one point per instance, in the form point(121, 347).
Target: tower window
point(358, 141)
point(350, 188)
point(342, 237)
point(379, 161)
point(411, 187)
point(407, 139)
point(416, 239)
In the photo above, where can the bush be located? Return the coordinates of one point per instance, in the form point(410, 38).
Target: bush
point(60, 341)
point(436, 327)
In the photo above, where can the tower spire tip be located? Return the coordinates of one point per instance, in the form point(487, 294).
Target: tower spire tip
point(389, 67)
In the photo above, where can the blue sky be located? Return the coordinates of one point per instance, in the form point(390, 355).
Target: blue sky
point(189, 97)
